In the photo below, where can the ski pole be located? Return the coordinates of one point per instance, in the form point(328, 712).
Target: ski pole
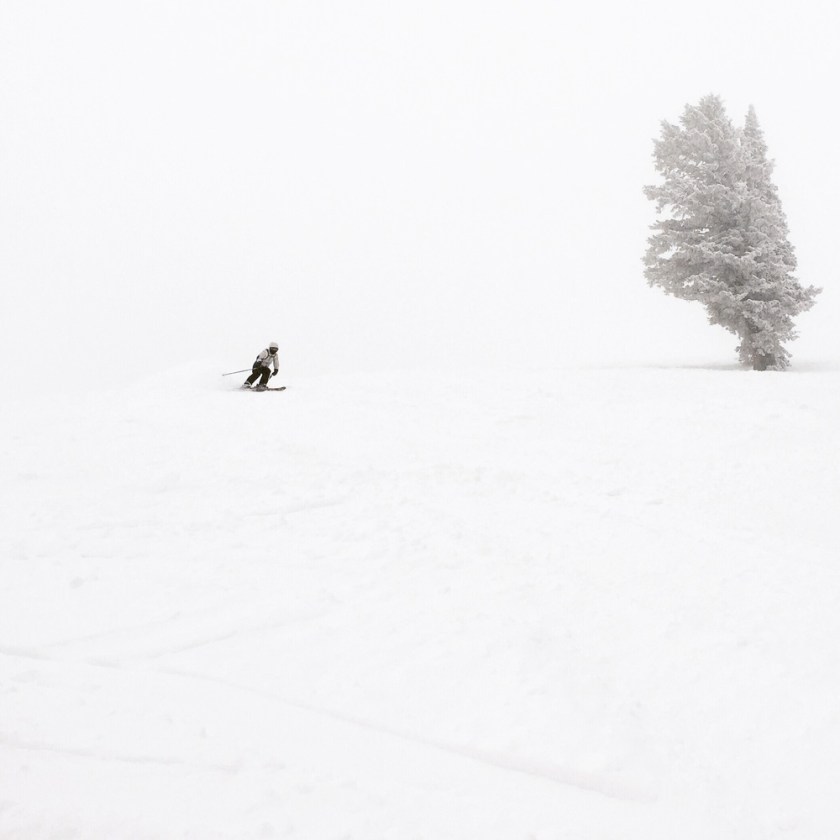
point(244, 370)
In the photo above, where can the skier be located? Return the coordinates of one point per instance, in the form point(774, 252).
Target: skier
point(262, 367)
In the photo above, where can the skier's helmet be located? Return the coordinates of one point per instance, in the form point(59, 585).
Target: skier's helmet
point(274, 346)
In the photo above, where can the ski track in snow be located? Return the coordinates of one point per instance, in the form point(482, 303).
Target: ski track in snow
point(614, 587)
point(555, 774)
point(9, 742)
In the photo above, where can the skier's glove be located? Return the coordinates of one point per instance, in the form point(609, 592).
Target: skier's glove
point(274, 373)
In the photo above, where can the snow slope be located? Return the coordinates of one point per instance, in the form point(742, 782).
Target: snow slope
point(596, 604)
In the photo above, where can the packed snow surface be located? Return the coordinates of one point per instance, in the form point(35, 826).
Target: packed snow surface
point(595, 604)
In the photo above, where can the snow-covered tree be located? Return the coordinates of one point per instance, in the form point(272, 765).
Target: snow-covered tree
point(722, 237)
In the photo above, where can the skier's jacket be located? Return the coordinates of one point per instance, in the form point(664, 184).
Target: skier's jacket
point(265, 358)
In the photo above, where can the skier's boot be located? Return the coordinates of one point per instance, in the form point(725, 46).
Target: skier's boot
point(245, 386)
point(261, 388)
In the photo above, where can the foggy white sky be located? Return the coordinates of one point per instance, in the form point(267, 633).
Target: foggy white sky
point(381, 183)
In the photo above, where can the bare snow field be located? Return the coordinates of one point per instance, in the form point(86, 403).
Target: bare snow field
point(596, 604)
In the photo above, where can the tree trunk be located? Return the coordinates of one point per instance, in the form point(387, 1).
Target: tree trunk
point(763, 361)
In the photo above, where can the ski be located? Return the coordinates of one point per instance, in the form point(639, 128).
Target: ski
point(262, 390)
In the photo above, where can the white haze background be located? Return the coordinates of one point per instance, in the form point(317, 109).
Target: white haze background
point(379, 184)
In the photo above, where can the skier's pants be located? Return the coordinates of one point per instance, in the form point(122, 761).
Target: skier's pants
point(259, 372)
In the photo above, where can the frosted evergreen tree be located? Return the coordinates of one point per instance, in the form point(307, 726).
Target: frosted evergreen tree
point(722, 236)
